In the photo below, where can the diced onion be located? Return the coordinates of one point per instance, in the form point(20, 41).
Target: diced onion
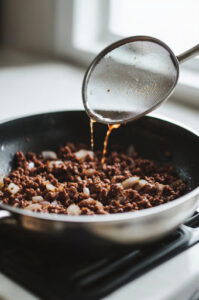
point(37, 198)
point(49, 155)
point(55, 163)
point(13, 188)
point(89, 172)
point(141, 183)
point(33, 206)
point(119, 184)
point(81, 154)
point(73, 210)
point(2, 181)
point(45, 203)
point(54, 203)
point(86, 191)
point(79, 178)
point(130, 182)
point(91, 201)
point(99, 204)
point(50, 187)
point(31, 165)
point(159, 186)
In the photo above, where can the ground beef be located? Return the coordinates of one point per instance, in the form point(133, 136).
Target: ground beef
point(73, 181)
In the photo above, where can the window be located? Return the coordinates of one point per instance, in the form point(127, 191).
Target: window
point(174, 22)
point(79, 29)
point(100, 22)
point(97, 23)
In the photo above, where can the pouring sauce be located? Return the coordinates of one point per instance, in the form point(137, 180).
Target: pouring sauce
point(92, 133)
point(109, 130)
point(105, 146)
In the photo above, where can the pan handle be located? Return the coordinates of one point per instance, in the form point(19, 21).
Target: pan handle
point(192, 226)
point(195, 236)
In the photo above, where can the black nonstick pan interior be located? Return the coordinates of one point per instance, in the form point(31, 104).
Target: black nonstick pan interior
point(151, 137)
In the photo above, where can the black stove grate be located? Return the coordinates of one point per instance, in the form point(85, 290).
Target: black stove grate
point(53, 274)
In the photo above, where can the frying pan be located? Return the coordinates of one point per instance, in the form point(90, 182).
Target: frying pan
point(151, 136)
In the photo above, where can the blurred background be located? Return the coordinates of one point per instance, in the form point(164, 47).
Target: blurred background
point(47, 45)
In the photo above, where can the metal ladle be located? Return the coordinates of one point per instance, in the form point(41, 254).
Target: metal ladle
point(130, 78)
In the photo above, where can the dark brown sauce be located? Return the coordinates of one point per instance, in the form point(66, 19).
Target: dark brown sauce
point(110, 128)
point(92, 134)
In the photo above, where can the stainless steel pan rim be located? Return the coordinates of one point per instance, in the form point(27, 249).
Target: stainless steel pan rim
point(102, 218)
point(109, 217)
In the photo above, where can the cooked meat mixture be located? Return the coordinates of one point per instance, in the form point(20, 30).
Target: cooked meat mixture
point(73, 181)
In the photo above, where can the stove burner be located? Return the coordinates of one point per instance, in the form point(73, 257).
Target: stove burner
point(51, 273)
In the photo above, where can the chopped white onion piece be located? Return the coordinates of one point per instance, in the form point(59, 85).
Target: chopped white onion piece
point(73, 210)
point(86, 191)
point(33, 206)
point(31, 165)
point(99, 204)
point(119, 184)
point(159, 186)
point(141, 183)
point(54, 203)
point(55, 163)
point(49, 155)
point(81, 154)
point(13, 188)
point(130, 182)
point(89, 199)
point(2, 181)
point(89, 171)
point(79, 178)
point(37, 198)
point(92, 201)
point(45, 203)
point(50, 187)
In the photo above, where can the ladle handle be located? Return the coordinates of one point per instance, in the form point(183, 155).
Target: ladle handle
point(188, 54)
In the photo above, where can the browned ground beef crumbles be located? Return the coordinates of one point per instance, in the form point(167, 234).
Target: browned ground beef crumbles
point(73, 181)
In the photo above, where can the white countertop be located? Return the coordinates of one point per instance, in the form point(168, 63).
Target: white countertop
point(176, 279)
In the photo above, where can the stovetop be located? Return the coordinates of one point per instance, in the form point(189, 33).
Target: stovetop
point(51, 273)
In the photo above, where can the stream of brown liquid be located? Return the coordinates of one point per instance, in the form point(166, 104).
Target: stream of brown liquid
point(92, 135)
point(110, 128)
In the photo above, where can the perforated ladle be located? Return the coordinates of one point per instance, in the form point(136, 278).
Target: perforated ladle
point(130, 78)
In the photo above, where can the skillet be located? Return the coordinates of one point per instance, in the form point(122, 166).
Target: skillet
point(150, 135)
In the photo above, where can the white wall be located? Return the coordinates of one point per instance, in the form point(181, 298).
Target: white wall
point(29, 24)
